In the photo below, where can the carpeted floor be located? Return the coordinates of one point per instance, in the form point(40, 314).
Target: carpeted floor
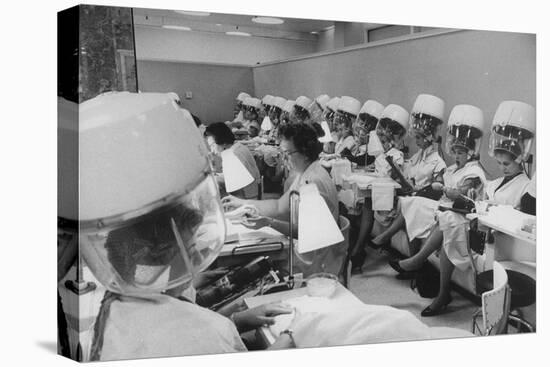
point(377, 285)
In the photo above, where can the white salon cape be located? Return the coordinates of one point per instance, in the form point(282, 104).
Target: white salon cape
point(423, 165)
point(335, 324)
point(511, 192)
point(163, 326)
point(343, 143)
point(420, 212)
point(328, 259)
point(455, 226)
point(381, 165)
point(382, 168)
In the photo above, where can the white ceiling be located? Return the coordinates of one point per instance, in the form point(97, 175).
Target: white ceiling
point(293, 28)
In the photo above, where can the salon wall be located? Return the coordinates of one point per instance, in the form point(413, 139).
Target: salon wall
point(213, 87)
point(474, 67)
point(202, 47)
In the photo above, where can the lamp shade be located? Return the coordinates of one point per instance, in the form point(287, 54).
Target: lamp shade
point(328, 137)
point(235, 174)
point(266, 124)
point(316, 225)
point(374, 147)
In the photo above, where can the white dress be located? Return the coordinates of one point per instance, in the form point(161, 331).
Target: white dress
point(455, 226)
point(382, 168)
point(420, 212)
point(343, 143)
point(381, 165)
point(423, 165)
point(511, 192)
point(163, 326)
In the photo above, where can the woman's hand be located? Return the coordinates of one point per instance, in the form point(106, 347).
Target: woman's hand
point(417, 188)
point(259, 316)
point(208, 276)
point(231, 202)
point(452, 194)
point(256, 222)
point(438, 186)
point(301, 325)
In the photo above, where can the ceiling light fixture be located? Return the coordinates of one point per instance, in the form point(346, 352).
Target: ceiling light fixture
point(314, 32)
point(234, 33)
point(176, 27)
point(267, 20)
point(193, 13)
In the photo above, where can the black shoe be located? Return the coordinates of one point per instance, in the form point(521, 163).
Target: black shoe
point(403, 274)
point(408, 275)
point(357, 261)
point(429, 311)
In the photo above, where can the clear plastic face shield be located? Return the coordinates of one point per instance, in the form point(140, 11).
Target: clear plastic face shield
point(275, 115)
point(300, 114)
point(511, 139)
point(266, 108)
point(156, 248)
point(425, 126)
point(464, 136)
point(316, 112)
point(363, 125)
point(250, 113)
point(390, 133)
point(343, 122)
point(329, 118)
point(287, 117)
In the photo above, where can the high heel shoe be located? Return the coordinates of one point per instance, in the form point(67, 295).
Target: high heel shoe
point(357, 261)
point(395, 265)
point(429, 311)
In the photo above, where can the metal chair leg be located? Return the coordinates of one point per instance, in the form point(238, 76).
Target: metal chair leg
point(521, 322)
point(474, 321)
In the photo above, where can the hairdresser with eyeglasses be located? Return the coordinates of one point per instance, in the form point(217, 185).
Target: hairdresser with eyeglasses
point(300, 148)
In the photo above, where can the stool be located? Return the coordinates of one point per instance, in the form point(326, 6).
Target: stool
point(523, 293)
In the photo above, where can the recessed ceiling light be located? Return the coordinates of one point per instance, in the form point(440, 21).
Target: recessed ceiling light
point(314, 32)
point(176, 27)
point(193, 13)
point(218, 24)
point(244, 34)
point(267, 20)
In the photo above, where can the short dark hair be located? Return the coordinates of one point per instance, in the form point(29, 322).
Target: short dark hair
point(221, 133)
point(304, 137)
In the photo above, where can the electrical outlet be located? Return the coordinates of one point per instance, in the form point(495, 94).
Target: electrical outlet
point(188, 95)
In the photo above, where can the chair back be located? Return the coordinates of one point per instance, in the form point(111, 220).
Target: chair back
point(345, 270)
point(495, 304)
point(473, 235)
point(261, 188)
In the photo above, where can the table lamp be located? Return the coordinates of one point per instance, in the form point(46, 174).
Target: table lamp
point(266, 124)
point(316, 226)
point(328, 137)
point(235, 174)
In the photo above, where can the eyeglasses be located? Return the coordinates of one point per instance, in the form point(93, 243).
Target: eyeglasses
point(286, 154)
